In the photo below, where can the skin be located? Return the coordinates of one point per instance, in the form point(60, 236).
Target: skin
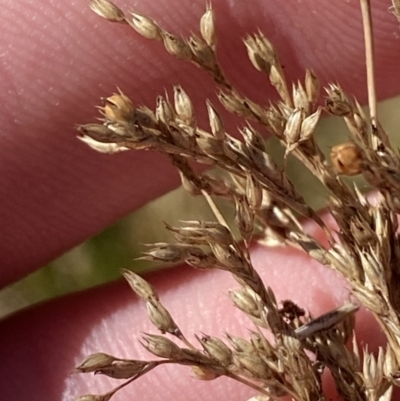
point(56, 62)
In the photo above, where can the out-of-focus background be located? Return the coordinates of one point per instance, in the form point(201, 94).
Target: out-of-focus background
point(99, 259)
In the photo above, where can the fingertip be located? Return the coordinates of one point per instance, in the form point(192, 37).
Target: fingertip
point(110, 318)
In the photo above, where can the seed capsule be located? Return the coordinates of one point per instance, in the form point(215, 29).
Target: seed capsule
point(118, 108)
point(107, 10)
point(347, 159)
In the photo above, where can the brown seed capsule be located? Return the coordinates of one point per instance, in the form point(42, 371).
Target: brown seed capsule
point(347, 159)
point(300, 98)
point(202, 53)
point(123, 369)
point(201, 373)
point(140, 286)
point(216, 123)
point(246, 300)
point(216, 349)
point(176, 46)
point(165, 252)
point(253, 51)
point(253, 364)
point(183, 105)
point(312, 86)
point(118, 108)
point(107, 10)
point(240, 345)
point(207, 27)
point(293, 126)
point(95, 362)
point(102, 147)
point(160, 317)
point(337, 102)
point(254, 193)
point(162, 346)
point(309, 124)
point(145, 27)
point(234, 104)
point(98, 132)
point(244, 217)
point(164, 111)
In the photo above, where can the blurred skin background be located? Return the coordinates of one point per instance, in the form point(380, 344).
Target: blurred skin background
point(57, 60)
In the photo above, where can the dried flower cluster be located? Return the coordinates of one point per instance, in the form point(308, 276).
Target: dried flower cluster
point(365, 249)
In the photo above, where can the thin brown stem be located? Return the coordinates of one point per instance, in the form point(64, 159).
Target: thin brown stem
point(262, 390)
point(149, 367)
point(186, 341)
point(369, 57)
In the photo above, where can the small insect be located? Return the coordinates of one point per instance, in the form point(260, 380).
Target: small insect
point(325, 321)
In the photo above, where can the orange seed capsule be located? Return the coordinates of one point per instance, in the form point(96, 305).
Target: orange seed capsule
point(347, 159)
point(118, 108)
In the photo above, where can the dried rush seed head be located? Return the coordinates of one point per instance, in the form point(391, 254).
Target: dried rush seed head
point(365, 248)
